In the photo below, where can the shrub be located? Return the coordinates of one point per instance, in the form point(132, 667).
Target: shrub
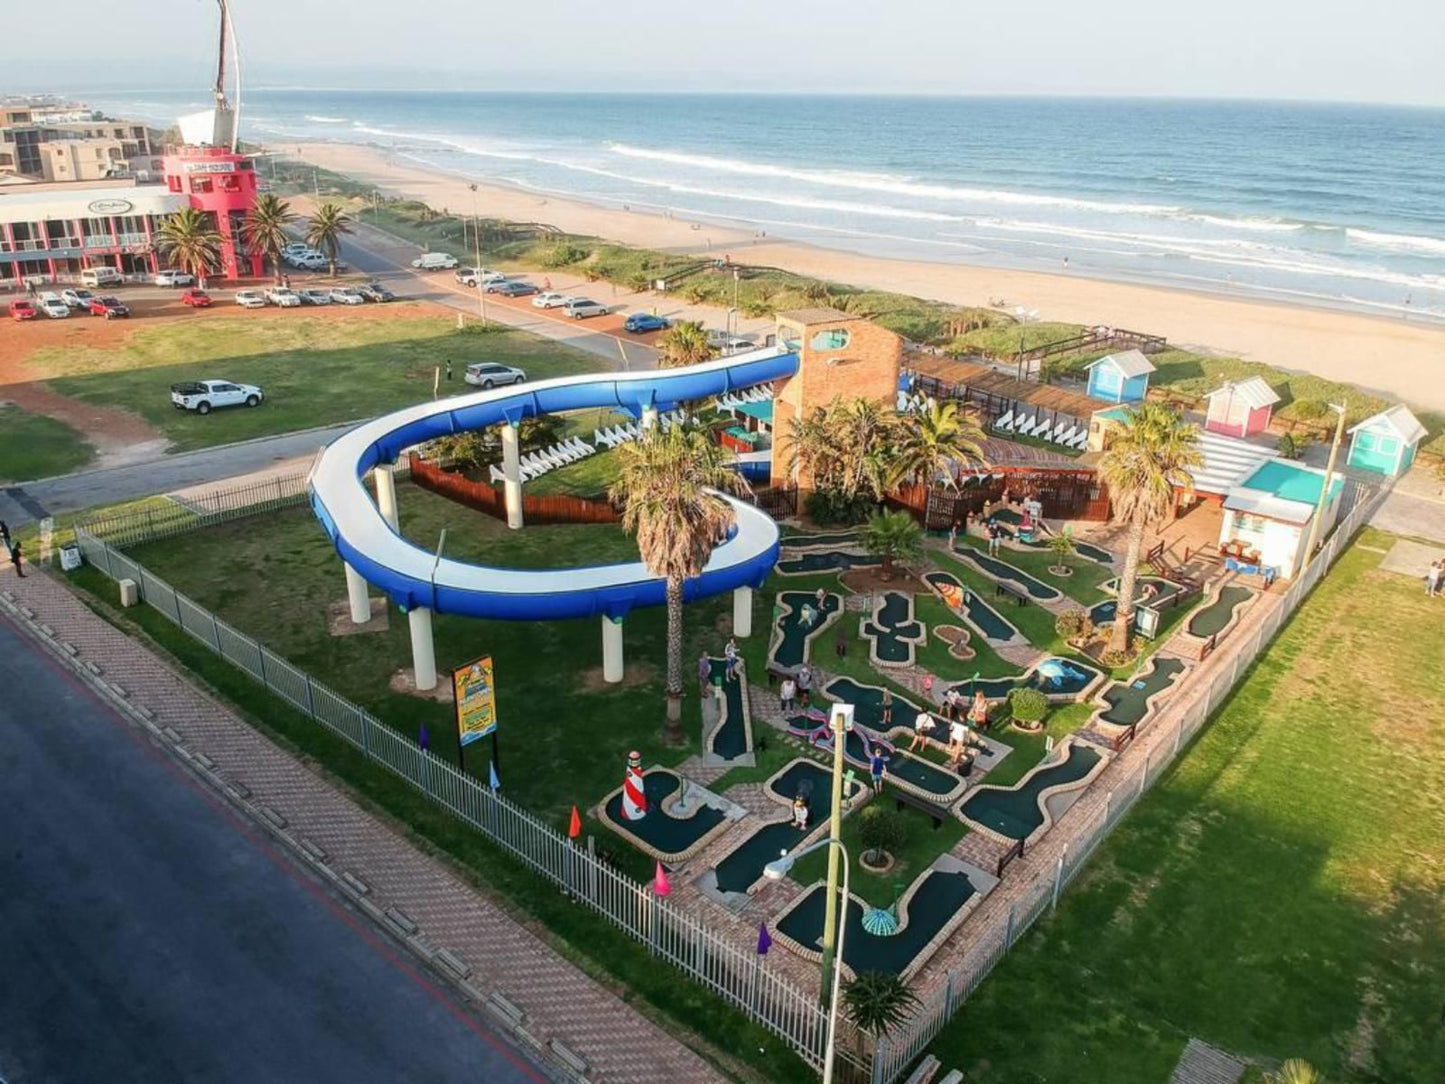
point(564, 254)
point(1309, 409)
point(1074, 625)
point(829, 507)
point(892, 536)
point(880, 829)
point(1027, 707)
point(1292, 446)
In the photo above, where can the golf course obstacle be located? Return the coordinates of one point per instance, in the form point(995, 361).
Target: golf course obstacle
point(799, 619)
point(731, 739)
point(1011, 576)
point(1129, 704)
point(810, 562)
point(679, 817)
point(1026, 810)
point(892, 632)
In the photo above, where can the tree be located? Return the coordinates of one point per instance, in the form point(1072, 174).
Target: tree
point(878, 1003)
point(1148, 456)
point(880, 829)
point(668, 485)
point(328, 226)
point(846, 446)
point(685, 343)
point(1062, 547)
point(189, 241)
point(892, 536)
point(1295, 1071)
point(266, 229)
point(931, 442)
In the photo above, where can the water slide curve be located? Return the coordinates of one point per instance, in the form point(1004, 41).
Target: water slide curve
point(412, 576)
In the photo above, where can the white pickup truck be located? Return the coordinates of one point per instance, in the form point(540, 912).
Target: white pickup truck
point(204, 395)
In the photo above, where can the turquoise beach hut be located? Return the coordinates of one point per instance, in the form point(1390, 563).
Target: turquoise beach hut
point(1120, 378)
point(1385, 442)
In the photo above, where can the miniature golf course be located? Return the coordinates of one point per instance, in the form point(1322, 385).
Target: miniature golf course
point(936, 901)
point(867, 701)
point(743, 866)
point(826, 561)
point(1053, 676)
point(807, 541)
point(664, 834)
point(893, 630)
point(730, 740)
point(1006, 573)
point(1017, 812)
point(1215, 618)
point(1164, 591)
point(967, 602)
point(791, 647)
point(1011, 519)
point(1129, 701)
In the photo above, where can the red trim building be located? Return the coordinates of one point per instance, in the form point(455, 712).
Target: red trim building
point(222, 183)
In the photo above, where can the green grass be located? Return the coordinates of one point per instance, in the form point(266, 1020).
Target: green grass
point(1085, 586)
point(588, 477)
point(34, 446)
point(1278, 894)
point(314, 372)
point(922, 844)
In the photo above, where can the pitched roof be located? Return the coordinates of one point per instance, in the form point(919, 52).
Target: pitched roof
point(1227, 462)
point(1130, 363)
point(808, 317)
point(1398, 418)
point(1254, 392)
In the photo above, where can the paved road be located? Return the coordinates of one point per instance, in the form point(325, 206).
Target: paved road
point(148, 933)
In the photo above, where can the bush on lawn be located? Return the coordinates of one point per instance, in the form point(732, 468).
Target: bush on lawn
point(829, 507)
point(1027, 707)
point(564, 254)
point(880, 829)
point(1074, 625)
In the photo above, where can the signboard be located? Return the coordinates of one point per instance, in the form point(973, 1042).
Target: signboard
point(210, 167)
point(110, 207)
point(476, 699)
point(1146, 621)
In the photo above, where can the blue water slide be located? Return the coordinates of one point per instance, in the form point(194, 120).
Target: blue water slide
point(412, 576)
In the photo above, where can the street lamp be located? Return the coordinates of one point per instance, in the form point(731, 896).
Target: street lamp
point(477, 239)
point(1339, 410)
point(776, 870)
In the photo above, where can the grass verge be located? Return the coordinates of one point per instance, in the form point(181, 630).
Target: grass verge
point(34, 446)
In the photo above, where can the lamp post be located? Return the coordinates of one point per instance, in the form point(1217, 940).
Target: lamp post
point(842, 723)
point(477, 240)
point(775, 871)
point(1339, 410)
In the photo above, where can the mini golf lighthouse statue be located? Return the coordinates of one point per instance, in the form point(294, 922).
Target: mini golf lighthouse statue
point(634, 798)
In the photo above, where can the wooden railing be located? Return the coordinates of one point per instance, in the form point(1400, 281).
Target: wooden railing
point(485, 497)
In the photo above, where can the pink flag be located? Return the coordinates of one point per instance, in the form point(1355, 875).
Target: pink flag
point(660, 884)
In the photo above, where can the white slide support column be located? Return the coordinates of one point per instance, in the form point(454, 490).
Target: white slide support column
point(423, 654)
point(742, 611)
point(386, 494)
point(649, 417)
point(356, 596)
point(512, 476)
point(611, 650)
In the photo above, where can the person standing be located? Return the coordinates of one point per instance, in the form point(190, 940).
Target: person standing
point(953, 538)
point(922, 730)
point(5, 533)
point(704, 675)
point(887, 719)
point(805, 684)
point(788, 695)
point(15, 560)
point(877, 765)
point(978, 712)
point(449, 370)
point(731, 654)
point(1432, 577)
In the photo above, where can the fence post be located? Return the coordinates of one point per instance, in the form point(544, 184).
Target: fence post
point(1144, 775)
point(1108, 805)
point(1178, 735)
point(216, 634)
point(879, 1049)
point(310, 703)
point(1058, 878)
point(1008, 936)
point(948, 995)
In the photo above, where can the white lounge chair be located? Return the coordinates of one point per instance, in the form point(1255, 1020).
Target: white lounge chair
point(1006, 422)
point(496, 475)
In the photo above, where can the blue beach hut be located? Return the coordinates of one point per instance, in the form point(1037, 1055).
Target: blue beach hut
point(1385, 442)
point(1120, 378)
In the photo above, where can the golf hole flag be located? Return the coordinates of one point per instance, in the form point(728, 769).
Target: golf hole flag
point(476, 700)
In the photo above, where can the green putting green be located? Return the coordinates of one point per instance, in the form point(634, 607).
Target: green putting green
point(1163, 592)
point(743, 865)
point(1084, 549)
point(867, 701)
point(936, 900)
point(1004, 572)
point(1053, 676)
point(1016, 812)
point(730, 740)
point(1129, 701)
point(791, 649)
point(1213, 619)
point(664, 834)
point(826, 561)
point(805, 541)
point(893, 631)
point(967, 602)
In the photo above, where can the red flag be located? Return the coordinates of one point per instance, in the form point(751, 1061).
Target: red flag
point(574, 829)
point(660, 884)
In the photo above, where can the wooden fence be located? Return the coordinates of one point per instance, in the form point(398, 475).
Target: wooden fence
point(485, 497)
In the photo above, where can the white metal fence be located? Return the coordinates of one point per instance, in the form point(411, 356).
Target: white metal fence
point(133, 526)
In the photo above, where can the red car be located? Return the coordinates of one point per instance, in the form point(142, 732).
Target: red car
point(109, 307)
point(197, 299)
point(20, 309)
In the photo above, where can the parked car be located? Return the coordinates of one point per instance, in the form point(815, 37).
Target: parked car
point(101, 276)
point(284, 296)
point(730, 344)
point(251, 299)
point(297, 248)
point(512, 289)
point(108, 306)
point(21, 309)
point(550, 299)
point(347, 295)
point(173, 278)
point(487, 374)
point(645, 321)
point(434, 261)
point(76, 299)
point(51, 305)
point(203, 396)
point(314, 296)
point(196, 299)
point(580, 308)
point(375, 291)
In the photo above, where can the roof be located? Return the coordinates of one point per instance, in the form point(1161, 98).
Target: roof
point(1255, 503)
point(763, 411)
point(1290, 482)
point(1130, 363)
point(983, 380)
point(33, 204)
point(1399, 420)
point(809, 317)
point(1227, 462)
point(1254, 392)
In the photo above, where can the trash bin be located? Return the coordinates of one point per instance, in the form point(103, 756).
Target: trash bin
point(69, 557)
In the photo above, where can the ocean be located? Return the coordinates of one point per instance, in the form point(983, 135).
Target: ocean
point(1334, 205)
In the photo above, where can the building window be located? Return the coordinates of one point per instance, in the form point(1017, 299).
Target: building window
point(1365, 442)
point(1389, 445)
point(832, 339)
point(200, 184)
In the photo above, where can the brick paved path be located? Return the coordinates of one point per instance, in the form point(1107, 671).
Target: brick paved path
point(503, 956)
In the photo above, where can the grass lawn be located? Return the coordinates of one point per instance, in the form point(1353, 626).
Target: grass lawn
point(315, 370)
point(34, 446)
point(1278, 894)
point(1085, 586)
point(588, 477)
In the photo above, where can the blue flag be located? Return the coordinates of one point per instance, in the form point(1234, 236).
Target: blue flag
point(496, 782)
point(764, 941)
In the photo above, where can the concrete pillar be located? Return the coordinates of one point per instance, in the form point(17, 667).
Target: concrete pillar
point(742, 611)
point(611, 649)
point(356, 596)
point(512, 476)
point(423, 655)
point(386, 494)
point(649, 417)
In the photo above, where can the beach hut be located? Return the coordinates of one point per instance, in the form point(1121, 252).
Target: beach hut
point(1120, 378)
point(1240, 408)
point(1385, 442)
point(1267, 516)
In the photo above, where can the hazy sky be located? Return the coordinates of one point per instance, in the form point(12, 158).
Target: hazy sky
point(1343, 50)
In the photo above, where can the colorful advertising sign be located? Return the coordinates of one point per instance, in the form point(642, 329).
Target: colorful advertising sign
point(476, 699)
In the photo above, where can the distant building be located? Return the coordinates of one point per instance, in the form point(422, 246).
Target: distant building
point(1267, 516)
point(1385, 443)
point(222, 183)
point(77, 144)
point(1240, 408)
point(1120, 378)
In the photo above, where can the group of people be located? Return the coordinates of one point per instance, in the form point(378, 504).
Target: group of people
point(963, 724)
point(796, 692)
point(12, 548)
point(1435, 578)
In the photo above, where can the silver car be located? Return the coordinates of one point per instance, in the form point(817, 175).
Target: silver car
point(347, 295)
point(580, 308)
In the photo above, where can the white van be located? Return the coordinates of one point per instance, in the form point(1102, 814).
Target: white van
point(434, 261)
point(101, 276)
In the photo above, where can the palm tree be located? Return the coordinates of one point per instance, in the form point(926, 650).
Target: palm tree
point(266, 229)
point(667, 484)
point(932, 442)
point(328, 226)
point(1148, 456)
point(878, 1003)
point(1295, 1071)
point(845, 447)
point(892, 536)
point(189, 241)
point(685, 343)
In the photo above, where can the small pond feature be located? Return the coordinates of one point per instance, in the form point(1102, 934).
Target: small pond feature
point(988, 621)
point(730, 739)
point(660, 833)
point(1053, 676)
point(826, 561)
point(800, 619)
point(1012, 575)
point(1215, 618)
point(1017, 812)
point(893, 632)
point(1129, 701)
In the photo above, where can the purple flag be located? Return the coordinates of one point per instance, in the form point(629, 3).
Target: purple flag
point(423, 738)
point(764, 941)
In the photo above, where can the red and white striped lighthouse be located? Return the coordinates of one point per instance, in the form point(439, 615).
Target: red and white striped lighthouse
point(634, 798)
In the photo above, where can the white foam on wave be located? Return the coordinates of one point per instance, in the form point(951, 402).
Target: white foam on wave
point(325, 120)
point(1397, 242)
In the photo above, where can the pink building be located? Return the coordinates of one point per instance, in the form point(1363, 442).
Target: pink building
point(223, 183)
point(1241, 408)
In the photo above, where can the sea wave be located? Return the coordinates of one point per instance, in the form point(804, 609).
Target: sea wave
point(326, 120)
point(1397, 242)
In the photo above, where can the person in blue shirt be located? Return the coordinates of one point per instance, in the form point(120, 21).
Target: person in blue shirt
point(877, 764)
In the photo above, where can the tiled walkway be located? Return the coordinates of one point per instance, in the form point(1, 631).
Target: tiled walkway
point(501, 954)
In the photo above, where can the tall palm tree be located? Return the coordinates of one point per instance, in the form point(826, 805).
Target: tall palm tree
point(266, 229)
point(685, 343)
point(892, 536)
point(877, 1003)
point(930, 443)
point(1147, 457)
point(189, 241)
point(845, 447)
point(667, 484)
point(328, 226)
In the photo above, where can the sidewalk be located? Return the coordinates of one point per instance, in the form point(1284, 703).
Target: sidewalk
point(500, 956)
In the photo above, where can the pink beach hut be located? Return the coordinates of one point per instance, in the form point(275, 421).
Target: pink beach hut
point(1240, 408)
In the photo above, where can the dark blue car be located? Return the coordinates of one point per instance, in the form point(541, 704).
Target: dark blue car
point(644, 321)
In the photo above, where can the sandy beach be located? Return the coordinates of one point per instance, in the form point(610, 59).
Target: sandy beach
point(1390, 356)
